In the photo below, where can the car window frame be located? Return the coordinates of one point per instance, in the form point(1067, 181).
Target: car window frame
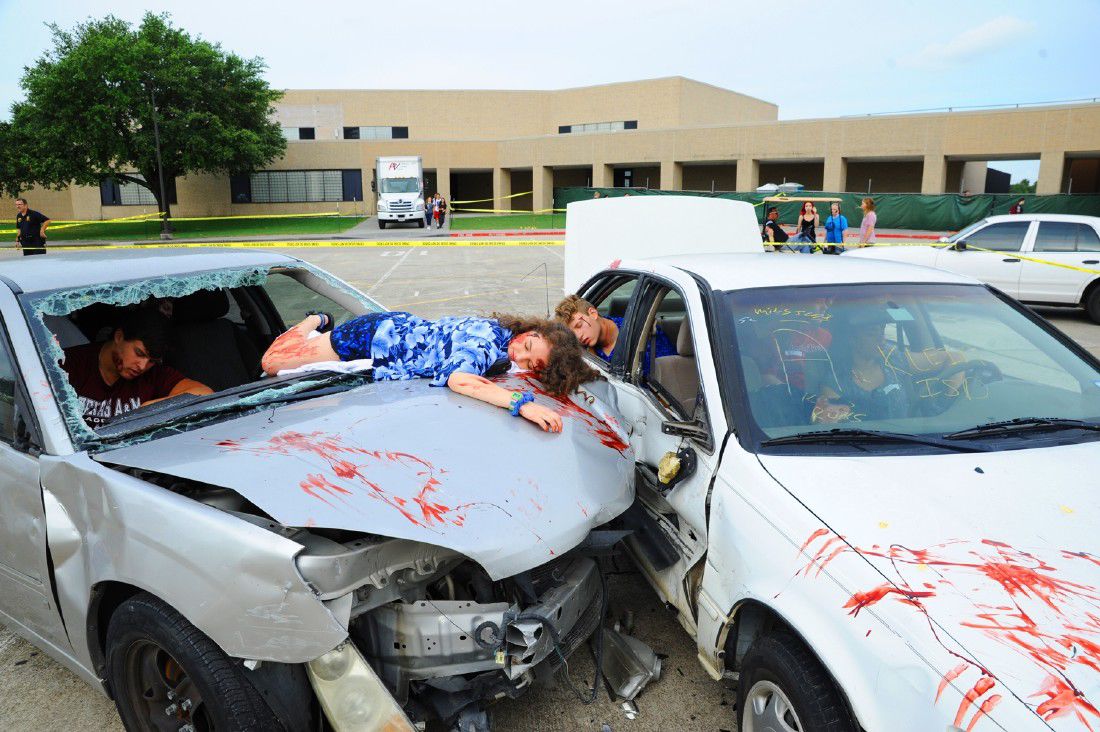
point(1025, 243)
point(22, 403)
point(750, 436)
point(594, 291)
point(1079, 226)
point(649, 289)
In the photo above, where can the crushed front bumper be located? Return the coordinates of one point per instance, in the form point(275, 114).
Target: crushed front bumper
point(432, 645)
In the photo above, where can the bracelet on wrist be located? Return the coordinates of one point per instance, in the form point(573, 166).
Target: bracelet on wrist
point(519, 398)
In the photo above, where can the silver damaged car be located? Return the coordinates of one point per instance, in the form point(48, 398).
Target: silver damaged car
point(288, 550)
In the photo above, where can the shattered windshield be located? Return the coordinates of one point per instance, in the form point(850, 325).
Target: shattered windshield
point(877, 363)
point(126, 358)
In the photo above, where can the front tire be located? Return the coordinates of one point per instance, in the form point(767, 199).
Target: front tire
point(381, 224)
point(784, 688)
point(165, 674)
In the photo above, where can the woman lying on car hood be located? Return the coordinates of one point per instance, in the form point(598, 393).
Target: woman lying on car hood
point(457, 352)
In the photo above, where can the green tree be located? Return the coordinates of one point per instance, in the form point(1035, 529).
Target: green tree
point(1024, 186)
point(89, 110)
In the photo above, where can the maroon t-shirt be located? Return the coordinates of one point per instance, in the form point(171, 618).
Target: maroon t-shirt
point(102, 402)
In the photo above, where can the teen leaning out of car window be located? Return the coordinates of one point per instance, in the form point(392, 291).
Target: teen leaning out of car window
point(456, 352)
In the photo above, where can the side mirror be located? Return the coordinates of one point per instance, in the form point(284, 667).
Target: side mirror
point(372, 186)
point(959, 246)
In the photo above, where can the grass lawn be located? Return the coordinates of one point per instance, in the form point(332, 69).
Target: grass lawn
point(518, 220)
point(213, 229)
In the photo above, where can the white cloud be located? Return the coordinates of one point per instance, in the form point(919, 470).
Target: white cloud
point(992, 35)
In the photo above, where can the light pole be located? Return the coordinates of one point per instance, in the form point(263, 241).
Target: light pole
point(165, 232)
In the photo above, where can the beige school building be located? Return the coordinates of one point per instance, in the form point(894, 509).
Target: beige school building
point(671, 133)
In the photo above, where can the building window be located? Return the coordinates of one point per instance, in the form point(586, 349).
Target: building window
point(300, 133)
point(376, 133)
point(127, 193)
point(296, 186)
point(630, 124)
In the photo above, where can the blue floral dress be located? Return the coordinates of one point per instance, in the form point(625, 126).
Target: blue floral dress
point(404, 346)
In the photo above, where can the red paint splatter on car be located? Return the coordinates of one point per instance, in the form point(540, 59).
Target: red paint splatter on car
point(861, 600)
point(349, 466)
point(598, 428)
point(984, 710)
point(813, 537)
point(1048, 619)
point(980, 688)
point(1063, 700)
point(949, 677)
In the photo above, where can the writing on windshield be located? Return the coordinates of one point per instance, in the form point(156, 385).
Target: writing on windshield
point(915, 359)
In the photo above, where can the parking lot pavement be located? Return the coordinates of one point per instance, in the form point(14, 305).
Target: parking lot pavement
point(37, 693)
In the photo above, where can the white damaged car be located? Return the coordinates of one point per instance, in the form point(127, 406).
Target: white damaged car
point(868, 489)
point(292, 552)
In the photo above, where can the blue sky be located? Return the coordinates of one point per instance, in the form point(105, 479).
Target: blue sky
point(813, 59)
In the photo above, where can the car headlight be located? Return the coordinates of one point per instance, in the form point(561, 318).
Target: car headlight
point(352, 695)
point(383, 206)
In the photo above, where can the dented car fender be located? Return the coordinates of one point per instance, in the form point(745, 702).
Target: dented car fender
point(106, 526)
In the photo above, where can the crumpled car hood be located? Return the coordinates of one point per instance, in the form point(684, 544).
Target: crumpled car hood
point(410, 461)
point(997, 555)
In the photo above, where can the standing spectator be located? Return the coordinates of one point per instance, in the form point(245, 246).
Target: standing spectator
point(441, 210)
point(772, 232)
point(30, 229)
point(808, 221)
point(870, 218)
point(429, 211)
point(597, 194)
point(1017, 208)
point(834, 229)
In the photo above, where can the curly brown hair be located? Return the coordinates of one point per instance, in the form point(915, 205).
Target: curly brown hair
point(566, 369)
point(570, 306)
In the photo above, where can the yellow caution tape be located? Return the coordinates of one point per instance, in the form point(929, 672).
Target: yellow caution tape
point(510, 211)
point(927, 243)
point(456, 242)
point(503, 198)
point(1015, 255)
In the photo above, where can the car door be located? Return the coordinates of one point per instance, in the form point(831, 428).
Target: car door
point(1069, 243)
point(26, 597)
point(673, 415)
point(997, 264)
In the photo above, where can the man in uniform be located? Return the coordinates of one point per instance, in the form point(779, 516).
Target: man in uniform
point(30, 228)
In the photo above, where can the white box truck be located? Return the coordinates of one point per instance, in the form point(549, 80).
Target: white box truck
point(399, 184)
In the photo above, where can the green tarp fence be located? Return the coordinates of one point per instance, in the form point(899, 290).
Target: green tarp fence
point(946, 212)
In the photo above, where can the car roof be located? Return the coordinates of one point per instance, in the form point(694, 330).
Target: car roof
point(746, 271)
point(1069, 218)
point(72, 269)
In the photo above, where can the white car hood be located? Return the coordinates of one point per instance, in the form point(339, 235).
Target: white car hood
point(997, 554)
point(411, 461)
